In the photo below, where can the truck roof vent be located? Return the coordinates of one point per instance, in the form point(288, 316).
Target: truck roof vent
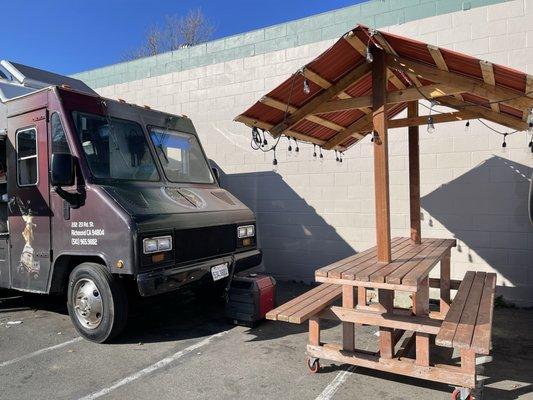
point(222, 195)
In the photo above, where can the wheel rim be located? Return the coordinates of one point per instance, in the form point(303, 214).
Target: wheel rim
point(88, 305)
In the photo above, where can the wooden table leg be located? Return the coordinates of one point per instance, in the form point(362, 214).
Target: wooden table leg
point(445, 284)
point(421, 308)
point(386, 341)
point(348, 328)
point(468, 361)
point(314, 331)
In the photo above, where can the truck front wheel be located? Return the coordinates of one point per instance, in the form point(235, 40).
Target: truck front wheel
point(97, 302)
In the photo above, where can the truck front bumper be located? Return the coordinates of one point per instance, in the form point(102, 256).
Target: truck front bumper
point(166, 280)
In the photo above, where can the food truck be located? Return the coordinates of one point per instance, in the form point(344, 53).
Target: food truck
point(101, 199)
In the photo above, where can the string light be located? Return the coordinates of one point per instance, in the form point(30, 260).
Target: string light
point(275, 160)
point(321, 155)
point(504, 144)
point(340, 158)
point(369, 57)
point(336, 156)
point(431, 126)
point(297, 149)
point(314, 150)
point(307, 89)
point(467, 127)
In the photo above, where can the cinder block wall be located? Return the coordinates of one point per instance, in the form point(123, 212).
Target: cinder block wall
point(312, 213)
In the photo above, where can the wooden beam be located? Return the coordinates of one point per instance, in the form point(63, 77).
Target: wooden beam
point(445, 284)
point(529, 93)
point(269, 101)
point(266, 126)
point(390, 320)
point(349, 79)
point(483, 112)
point(450, 375)
point(487, 71)
point(508, 96)
point(362, 125)
point(399, 96)
point(381, 155)
point(437, 57)
point(414, 175)
point(348, 328)
point(390, 50)
point(421, 120)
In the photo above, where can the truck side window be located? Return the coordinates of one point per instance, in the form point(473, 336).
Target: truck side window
point(27, 173)
point(59, 139)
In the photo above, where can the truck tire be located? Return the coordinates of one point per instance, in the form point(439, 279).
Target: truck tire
point(97, 302)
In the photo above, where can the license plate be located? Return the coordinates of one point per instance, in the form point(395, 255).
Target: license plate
point(220, 271)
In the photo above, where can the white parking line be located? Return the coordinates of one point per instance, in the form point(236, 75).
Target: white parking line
point(335, 384)
point(158, 365)
point(42, 351)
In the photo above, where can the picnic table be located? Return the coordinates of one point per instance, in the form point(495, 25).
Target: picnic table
point(463, 324)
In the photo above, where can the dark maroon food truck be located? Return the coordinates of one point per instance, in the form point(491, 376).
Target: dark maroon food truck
point(99, 195)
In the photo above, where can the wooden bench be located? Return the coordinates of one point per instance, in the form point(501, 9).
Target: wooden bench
point(307, 305)
point(468, 323)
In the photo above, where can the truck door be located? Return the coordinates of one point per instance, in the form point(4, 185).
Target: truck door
point(29, 198)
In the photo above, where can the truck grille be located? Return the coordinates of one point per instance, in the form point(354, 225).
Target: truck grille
point(202, 243)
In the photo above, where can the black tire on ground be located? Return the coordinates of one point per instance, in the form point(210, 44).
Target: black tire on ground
point(114, 300)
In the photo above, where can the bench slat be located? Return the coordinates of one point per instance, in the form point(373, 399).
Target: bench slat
point(303, 302)
point(314, 308)
point(283, 312)
point(465, 328)
point(272, 314)
point(482, 332)
point(449, 325)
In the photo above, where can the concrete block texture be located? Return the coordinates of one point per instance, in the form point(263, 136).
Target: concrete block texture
point(312, 213)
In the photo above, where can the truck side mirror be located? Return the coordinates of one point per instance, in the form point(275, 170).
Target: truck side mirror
point(216, 173)
point(62, 170)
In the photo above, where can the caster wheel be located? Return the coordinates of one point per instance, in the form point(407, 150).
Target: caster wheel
point(456, 395)
point(313, 365)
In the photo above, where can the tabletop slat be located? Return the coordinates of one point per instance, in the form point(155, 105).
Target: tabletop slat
point(410, 264)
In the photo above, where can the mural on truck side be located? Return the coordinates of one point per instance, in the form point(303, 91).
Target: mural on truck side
point(27, 264)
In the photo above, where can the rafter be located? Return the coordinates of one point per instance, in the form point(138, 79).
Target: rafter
point(269, 101)
point(507, 96)
point(345, 82)
point(266, 126)
point(486, 113)
point(356, 129)
point(487, 70)
point(395, 97)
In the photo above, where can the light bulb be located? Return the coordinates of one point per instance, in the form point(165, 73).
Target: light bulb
point(368, 56)
point(467, 127)
point(431, 126)
point(307, 89)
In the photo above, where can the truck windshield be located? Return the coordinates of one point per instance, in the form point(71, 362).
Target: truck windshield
point(115, 148)
point(181, 156)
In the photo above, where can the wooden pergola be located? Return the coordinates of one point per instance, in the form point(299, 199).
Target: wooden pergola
point(355, 88)
point(350, 97)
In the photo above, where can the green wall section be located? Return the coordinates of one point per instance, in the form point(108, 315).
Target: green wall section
point(326, 26)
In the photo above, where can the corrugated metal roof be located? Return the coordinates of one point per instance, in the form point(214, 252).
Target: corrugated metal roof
point(489, 91)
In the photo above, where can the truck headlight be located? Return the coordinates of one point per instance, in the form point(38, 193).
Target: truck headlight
point(245, 231)
point(155, 244)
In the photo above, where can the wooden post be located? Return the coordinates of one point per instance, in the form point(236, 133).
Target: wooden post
point(468, 361)
point(386, 341)
point(414, 174)
point(314, 331)
point(381, 156)
point(348, 328)
point(421, 308)
point(445, 284)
